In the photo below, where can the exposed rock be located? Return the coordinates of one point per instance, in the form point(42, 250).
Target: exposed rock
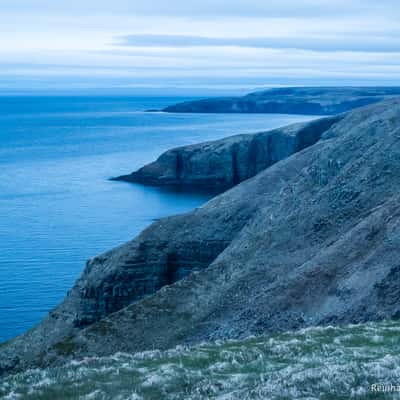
point(229, 161)
point(300, 100)
point(312, 240)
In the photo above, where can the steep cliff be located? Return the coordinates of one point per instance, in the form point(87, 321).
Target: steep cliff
point(297, 100)
point(312, 240)
point(224, 163)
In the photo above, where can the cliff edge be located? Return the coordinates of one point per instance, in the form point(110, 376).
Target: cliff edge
point(224, 163)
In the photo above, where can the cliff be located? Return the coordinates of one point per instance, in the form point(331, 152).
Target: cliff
point(224, 163)
point(312, 240)
point(300, 100)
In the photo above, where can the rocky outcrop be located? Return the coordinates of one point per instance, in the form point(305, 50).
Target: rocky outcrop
point(312, 240)
point(297, 100)
point(224, 163)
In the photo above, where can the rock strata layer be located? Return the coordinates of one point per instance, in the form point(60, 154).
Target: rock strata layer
point(312, 240)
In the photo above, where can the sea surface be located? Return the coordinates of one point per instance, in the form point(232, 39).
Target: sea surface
point(331, 363)
point(57, 205)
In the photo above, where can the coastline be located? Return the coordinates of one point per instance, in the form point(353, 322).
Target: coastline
point(159, 289)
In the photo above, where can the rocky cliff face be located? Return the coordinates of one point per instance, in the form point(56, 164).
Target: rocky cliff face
point(312, 240)
point(301, 100)
point(224, 163)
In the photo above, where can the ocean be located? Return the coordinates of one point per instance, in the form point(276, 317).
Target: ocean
point(57, 205)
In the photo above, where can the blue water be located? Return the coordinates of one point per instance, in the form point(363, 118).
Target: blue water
point(57, 206)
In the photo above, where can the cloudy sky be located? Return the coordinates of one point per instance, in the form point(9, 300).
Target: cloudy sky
point(241, 44)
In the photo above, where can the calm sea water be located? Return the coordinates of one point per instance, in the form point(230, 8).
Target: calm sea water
point(57, 206)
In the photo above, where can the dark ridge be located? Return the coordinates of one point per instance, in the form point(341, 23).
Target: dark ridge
point(253, 157)
point(179, 166)
point(235, 169)
point(313, 132)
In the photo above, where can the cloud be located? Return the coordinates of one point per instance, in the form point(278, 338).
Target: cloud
point(182, 42)
point(385, 44)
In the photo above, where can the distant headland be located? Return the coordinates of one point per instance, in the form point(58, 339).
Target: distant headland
point(294, 100)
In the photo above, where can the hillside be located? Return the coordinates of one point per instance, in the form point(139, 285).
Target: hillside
point(312, 240)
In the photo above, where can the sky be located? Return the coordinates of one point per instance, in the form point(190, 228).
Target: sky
point(219, 45)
